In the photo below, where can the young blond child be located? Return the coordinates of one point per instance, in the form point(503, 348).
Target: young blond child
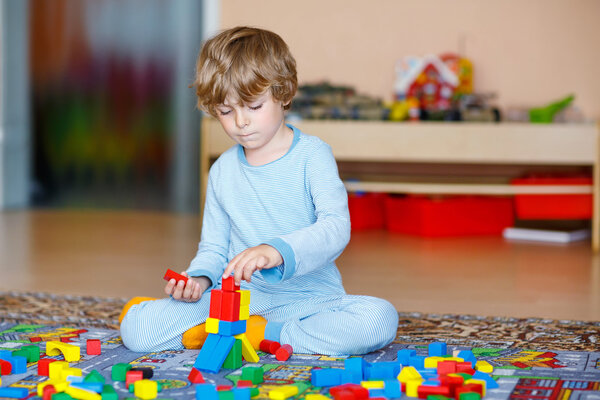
point(276, 217)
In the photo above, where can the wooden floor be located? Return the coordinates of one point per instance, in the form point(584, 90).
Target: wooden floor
point(123, 254)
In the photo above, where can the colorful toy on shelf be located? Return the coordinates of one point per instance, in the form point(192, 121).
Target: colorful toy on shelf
point(545, 115)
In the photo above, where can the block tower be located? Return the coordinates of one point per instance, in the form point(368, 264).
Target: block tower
point(226, 343)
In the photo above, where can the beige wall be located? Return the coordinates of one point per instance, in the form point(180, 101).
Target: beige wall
point(529, 52)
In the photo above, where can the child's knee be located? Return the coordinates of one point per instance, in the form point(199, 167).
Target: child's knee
point(133, 331)
point(380, 324)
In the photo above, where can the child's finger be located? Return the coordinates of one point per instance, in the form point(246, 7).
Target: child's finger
point(169, 287)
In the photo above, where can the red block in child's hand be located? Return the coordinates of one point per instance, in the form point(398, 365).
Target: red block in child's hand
point(229, 285)
point(170, 274)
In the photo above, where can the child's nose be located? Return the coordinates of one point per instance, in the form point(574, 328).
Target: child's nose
point(241, 120)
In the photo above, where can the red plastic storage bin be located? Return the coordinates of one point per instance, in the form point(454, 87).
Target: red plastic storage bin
point(449, 216)
point(367, 211)
point(553, 206)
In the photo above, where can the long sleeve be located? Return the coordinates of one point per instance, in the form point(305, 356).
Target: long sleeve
point(319, 244)
point(211, 258)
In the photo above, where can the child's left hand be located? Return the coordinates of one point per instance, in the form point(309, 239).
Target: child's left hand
point(252, 259)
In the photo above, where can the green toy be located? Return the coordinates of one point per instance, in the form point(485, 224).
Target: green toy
point(545, 115)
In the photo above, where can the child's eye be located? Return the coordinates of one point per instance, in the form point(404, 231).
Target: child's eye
point(258, 107)
point(221, 112)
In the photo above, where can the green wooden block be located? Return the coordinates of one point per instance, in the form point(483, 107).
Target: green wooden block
point(254, 374)
point(226, 395)
point(109, 392)
point(34, 353)
point(254, 392)
point(469, 396)
point(61, 396)
point(436, 397)
point(21, 352)
point(94, 376)
point(234, 358)
point(464, 375)
point(119, 371)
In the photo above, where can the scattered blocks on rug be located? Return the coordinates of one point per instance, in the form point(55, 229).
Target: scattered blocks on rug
point(70, 352)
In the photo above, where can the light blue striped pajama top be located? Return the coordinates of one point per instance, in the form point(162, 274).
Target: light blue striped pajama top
point(298, 205)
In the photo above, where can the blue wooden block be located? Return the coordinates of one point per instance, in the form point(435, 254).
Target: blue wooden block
point(91, 386)
point(468, 355)
point(436, 349)
point(213, 353)
point(381, 371)
point(75, 379)
point(351, 377)
point(19, 364)
point(356, 366)
point(404, 356)
point(5, 354)
point(416, 361)
point(206, 391)
point(205, 355)
point(241, 393)
point(326, 377)
point(373, 393)
point(14, 392)
point(490, 383)
point(229, 328)
point(392, 389)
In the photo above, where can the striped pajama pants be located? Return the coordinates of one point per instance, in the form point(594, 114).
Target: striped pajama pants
point(311, 324)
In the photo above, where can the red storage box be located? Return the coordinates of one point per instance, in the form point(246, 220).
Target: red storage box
point(449, 216)
point(367, 210)
point(553, 206)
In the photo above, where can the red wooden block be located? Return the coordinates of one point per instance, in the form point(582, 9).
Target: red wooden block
point(349, 389)
point(284, 352)
point(269, 346)
point(5, 367)
point(92, 347)
point(195, 376)
point(221, 388)
point(78, 332)
point(243, 384)
point(216, 300)
point(471, 387)
point(423, 391)
point(452, 382)
point(49, 390)
point(446, 367)
point(170, 274)
point(132, 376)
point(43, 366)
point(68, 339)
point(35, 339)
point(230, 306)
point(228, 285)
point(466, 367)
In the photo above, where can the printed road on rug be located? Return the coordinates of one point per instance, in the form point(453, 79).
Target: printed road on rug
point(522, 373)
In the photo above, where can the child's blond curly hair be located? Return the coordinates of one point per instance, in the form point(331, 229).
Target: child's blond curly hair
point(245, 62)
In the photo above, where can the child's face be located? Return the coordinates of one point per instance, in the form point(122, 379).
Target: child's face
point(257, 125)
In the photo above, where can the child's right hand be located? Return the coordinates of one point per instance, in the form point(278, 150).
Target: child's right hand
point(191, 291)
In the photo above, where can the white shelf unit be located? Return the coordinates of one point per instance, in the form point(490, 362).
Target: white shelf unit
point(446, 143)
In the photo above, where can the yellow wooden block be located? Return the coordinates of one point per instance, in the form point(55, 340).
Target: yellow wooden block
point(283, 392)
point(59, 386)
point(479, 381)
point(70, 372)
point(484, 366)
point(248, 351)
point(432, 362)
point(457, 359)
point(145, 389)
point(316, 396)
point(412, 387)
point(212, 325)
point(244, 312)
point(409, 374)
point(69, 351)
point(82, 394)
point(373, 384)
point(244, 297)
point(55, 370)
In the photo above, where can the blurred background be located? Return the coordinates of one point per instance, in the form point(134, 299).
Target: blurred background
point(96, 109)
